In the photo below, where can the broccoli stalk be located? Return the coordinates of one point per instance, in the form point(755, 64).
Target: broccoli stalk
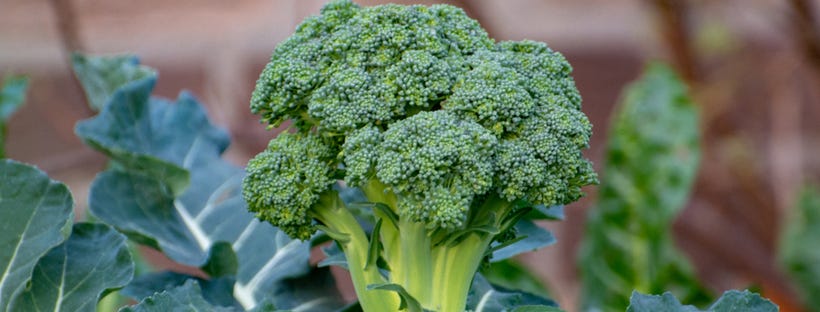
point(451, 136)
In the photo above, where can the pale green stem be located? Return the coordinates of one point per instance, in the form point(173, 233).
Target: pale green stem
point(354, 243)
point(416, 266)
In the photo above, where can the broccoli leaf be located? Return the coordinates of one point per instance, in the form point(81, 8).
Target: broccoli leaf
point(732, 300)
point(74, 275)
point(650, 164)
point(217, 291)
point(169, 188)
point(533, 237)
point(12, 96)
point(485, 297)
point(798, 252)
point(35, 215)
point(187, 297)
point(101, 76)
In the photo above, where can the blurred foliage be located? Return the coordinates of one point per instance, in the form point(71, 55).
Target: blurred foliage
point(800, 247)
point(511, 274)
point(731, 301)
point(12, 96)
point(650, 164)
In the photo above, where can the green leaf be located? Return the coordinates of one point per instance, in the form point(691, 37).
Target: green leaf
point(407, 301)
point(731, 301)
point(35, 215)
point(485, 297)
point(101, 76)
point(187, 297)
point(73, 276)
point(171, 190)
point(541, 212)
point(315, 291)
point(151, 136)
point(798, 245)
point(217, 291)
point(533, 236)
point(12, 96)
point(650, 164)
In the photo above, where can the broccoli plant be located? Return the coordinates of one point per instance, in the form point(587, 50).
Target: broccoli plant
point(452, 138)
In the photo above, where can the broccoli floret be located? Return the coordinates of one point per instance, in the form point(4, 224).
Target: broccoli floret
point(436, 163)
point(285, 180)
point(447, 133)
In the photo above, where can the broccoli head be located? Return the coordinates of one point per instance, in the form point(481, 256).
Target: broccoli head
point(448, 133)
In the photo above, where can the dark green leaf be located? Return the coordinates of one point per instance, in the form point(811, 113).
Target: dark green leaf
point(799, 243)
point(731, 301)
point(221, 261)
point(35, 215)
point(315, 291)
point(74, 275)
point(187, 297)
point(485, 297)
point(534, 237)
point(12, 96)
point(650, 164)
point(101, 76)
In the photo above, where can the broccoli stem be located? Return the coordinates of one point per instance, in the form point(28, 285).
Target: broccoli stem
point(415, 269)
point(454, 269)
point(334, 215)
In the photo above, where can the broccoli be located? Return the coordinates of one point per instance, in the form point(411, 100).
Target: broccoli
point(451, 136)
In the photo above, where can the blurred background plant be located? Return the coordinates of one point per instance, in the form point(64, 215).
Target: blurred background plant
point(752, 66)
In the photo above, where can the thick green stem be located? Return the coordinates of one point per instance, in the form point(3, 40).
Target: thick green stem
point(415, 269)
point(455, 268)
point(350, 236)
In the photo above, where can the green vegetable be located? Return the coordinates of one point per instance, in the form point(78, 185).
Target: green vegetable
point(451, 137)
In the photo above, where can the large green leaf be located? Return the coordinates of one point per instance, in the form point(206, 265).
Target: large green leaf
point(170, 188)
point(650, 164)
point(799, 244)
point(731, 301)
point(150, 135)
point(101, 76)
point(35, 215)
point(74, 275)
point(12, 95)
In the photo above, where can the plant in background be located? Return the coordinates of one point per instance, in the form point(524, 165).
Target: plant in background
point(12, 95)
point(451, 137)
point(798, 252)
point(650, 164)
